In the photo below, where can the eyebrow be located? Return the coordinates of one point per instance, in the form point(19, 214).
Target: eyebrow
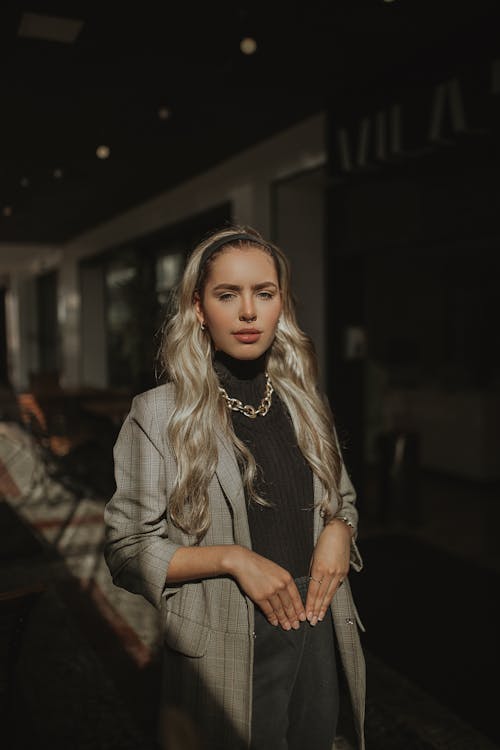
point(237, 288)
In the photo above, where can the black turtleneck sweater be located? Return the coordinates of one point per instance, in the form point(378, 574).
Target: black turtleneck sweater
point(283, 532)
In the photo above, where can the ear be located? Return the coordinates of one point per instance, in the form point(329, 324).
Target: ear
point(198, 308)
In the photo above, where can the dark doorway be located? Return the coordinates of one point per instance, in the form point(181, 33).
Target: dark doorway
point(4, 370)
point(47, 325)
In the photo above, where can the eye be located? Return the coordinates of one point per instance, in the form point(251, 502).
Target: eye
point(266, 295)
point(226, 297)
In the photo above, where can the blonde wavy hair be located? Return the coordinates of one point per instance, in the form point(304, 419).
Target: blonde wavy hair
point(186, 355)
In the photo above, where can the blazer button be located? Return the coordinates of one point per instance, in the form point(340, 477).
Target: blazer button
point(349, 620)
point(254, 634)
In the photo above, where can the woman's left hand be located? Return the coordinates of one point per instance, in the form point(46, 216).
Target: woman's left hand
point(329, 567)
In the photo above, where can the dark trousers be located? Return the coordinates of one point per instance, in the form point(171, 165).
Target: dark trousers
point(295, 684)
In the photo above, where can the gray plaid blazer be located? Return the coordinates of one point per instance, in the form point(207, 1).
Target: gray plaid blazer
point(207, 625)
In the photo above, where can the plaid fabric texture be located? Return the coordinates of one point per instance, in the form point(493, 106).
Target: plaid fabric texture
point(207, 625)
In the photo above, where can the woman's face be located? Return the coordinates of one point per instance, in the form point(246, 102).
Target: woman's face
point(241, 302)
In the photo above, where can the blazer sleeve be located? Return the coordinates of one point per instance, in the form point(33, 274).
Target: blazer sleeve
point(137, 548)
point(348, 510)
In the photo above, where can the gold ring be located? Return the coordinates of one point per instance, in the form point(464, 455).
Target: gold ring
point(315, 579)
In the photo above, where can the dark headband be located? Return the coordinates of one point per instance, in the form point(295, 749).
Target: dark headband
point(227, 240)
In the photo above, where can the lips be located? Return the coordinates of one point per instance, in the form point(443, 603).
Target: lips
point(247, 335)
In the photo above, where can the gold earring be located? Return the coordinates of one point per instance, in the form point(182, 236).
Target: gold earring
point(202, 326)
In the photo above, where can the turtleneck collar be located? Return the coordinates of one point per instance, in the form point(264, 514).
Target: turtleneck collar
point(230, 369)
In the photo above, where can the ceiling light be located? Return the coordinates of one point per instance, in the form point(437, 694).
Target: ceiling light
point(248, 45)
point(7, 211)
point(25, 182)
point(103, 152)
point(163, 113)
point(58, 173)
point(49, 28)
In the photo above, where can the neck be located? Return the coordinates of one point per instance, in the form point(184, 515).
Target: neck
point(242, 369)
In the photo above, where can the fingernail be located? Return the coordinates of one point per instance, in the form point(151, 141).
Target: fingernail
point(309, 616)
point(287, 626)
point(320, 618)
point(314, 621)
point(302, 617)
point(296, 625)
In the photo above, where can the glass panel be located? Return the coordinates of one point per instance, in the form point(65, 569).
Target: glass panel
point(128, 302)
point(168, 273)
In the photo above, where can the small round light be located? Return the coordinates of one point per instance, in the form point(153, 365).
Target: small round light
point(163, 113)
point(248, 45)
point(25, 182)
point(103, 152)
point(7, 211)
point(58, 173)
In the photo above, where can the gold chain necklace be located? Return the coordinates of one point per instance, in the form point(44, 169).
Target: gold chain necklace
point(250, 411)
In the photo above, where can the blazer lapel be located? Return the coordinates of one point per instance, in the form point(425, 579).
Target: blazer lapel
point(228, 474)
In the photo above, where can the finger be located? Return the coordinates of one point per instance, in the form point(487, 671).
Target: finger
point(289, 608)
point(321, 592)
point(279, 611)
point(318, 585)
point(328, 597)
point(312, 591)
point(296, 602)
point(268, 611)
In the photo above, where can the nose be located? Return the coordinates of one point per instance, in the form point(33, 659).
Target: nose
point(247, 310)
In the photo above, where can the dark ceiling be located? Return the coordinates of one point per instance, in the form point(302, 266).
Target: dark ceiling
point(61, 101)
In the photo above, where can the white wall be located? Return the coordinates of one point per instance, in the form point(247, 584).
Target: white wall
point(244, 179)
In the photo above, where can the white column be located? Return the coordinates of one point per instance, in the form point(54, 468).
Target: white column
point(21, 321)
point(251, 205)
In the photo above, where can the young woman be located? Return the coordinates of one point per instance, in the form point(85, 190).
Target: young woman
point(234, 513)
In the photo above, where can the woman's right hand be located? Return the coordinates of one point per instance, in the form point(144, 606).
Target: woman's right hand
point(268, 585)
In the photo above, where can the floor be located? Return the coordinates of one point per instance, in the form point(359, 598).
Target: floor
point(87, 672)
